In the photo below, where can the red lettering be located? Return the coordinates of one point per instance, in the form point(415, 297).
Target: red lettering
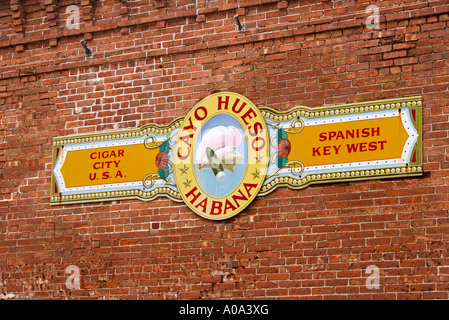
point(186, 140)
point(248, 187)
point(190, 126)
point(323, 136)
point(260, 146)
point(192, 193)
point(203, 205)
point(347, 134)
point(204, 113)
point(249, 114)
point(326, 150)
point(107, 154)
point(363, 147)
point(236, 197)
point(181, 157)
point(234, 107)
point(119, 174)
point(258, 128)
point(365, 132)
point(221, 102)
point(337, 148)
point(216, 208)
point(228, 205)
point(353, 147)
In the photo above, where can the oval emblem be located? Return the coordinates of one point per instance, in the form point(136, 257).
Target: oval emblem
point(221, 155)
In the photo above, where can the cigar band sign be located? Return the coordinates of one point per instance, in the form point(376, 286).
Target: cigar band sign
point(226, 151)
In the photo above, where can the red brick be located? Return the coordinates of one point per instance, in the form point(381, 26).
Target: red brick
point(156, 63)
point(282, 4)
point(433, 26)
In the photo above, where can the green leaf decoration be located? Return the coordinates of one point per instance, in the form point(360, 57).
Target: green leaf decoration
point(282, 134)
point(163, 173)
point(282, 162)
point(165, 146)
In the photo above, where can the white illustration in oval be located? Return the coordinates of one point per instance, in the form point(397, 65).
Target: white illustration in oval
point(220, 153)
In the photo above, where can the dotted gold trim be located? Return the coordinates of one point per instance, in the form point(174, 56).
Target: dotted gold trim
point(339, 177)
point(339, 110)
point(118, 195)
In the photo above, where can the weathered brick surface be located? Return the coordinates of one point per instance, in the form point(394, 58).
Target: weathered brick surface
point(152, 61)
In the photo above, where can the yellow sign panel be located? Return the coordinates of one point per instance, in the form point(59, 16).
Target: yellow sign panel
point(108, 165)
point(362, 140)
point(226, 151)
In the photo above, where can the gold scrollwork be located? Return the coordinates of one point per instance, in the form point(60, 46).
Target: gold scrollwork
point(273, 140)
point(172, 167)
point(294, 167)
point(291, 169)
point(149, 176)
point(273, 157)
point(296, 126)
point(153, 140)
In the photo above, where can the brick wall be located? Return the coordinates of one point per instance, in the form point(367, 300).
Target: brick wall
point(152, 61)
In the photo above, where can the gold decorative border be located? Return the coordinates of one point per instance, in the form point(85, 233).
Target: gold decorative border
point(59, 142)
point(343, 176)
point(327, 111)
point(415, 169)
point(117, 195)
point(260, 164)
